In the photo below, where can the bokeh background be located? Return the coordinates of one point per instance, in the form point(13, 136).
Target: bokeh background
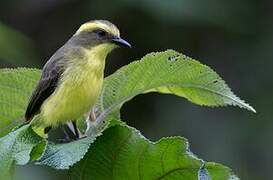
point(233, 37)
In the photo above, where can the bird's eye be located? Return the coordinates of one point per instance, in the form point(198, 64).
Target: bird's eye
point(100, 32)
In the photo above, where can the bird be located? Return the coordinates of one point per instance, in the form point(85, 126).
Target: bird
point(71, 80)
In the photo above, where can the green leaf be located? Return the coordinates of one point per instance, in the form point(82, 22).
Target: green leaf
point(122, 153)
point(168, 72)
point(16, 86)
point(16, 148)
point(62, 156)
point(220, 172)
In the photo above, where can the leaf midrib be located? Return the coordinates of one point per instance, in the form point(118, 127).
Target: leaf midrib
point(125, 99)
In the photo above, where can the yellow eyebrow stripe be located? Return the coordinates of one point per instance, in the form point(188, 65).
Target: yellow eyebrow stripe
point(99, 25)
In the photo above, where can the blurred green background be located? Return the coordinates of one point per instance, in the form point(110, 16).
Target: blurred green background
point(233, 37)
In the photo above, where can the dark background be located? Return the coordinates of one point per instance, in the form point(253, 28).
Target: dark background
point(233, 37)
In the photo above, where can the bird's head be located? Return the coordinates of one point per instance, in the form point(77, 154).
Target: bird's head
point(99, 33)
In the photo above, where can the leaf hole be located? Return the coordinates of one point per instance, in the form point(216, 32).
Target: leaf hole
point(114, 92)
point(173, 58)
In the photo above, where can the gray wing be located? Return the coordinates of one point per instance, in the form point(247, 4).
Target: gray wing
point(46, 86)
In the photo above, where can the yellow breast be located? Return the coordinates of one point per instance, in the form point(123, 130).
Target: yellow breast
point(76, 93)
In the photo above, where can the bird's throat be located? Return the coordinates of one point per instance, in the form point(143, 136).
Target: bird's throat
point(99, 52)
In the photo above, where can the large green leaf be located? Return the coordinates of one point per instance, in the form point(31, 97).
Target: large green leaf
point(16, 86)
point(16, 148)
point(167, 72)
point(123, 153)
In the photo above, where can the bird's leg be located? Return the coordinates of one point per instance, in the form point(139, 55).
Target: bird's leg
point(70, 132)
point(73, 128)
point(92, 116)
point(76, 130)
point(91, 120)
point(66, 136)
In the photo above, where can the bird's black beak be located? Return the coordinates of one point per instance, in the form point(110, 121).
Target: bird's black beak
point(121, 42)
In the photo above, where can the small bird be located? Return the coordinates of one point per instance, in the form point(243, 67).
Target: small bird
point(71, 80)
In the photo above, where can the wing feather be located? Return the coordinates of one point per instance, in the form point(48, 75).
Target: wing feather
point(46, 86)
